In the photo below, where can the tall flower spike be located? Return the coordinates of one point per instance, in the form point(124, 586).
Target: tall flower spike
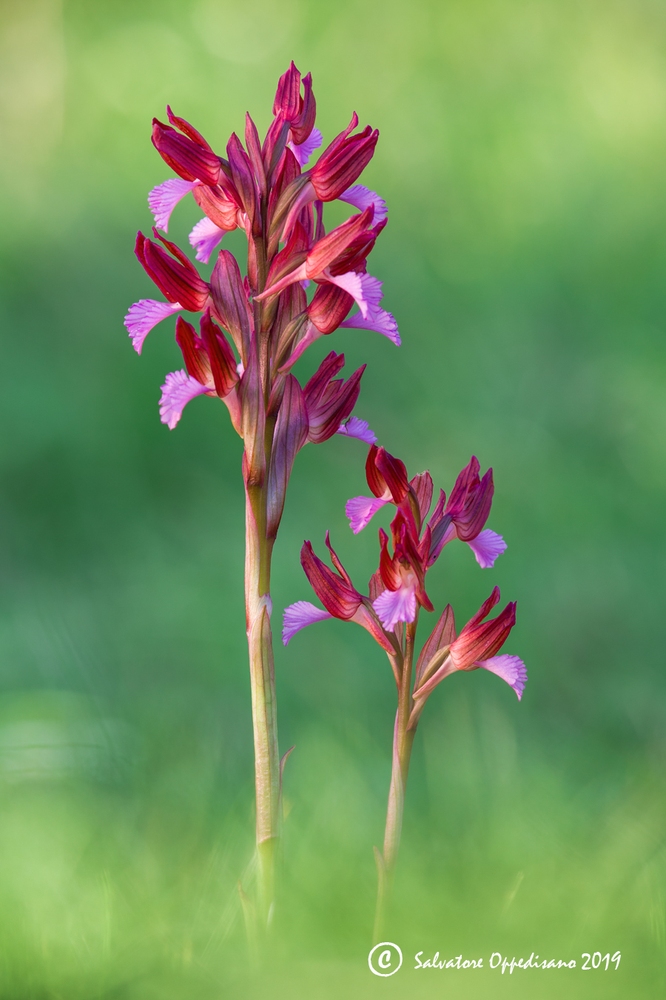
point(261, 186)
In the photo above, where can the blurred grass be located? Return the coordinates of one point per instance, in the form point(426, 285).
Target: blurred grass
point(521, 154)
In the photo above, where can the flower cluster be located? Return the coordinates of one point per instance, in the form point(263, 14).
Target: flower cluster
point(301, 282)
point(397, 589)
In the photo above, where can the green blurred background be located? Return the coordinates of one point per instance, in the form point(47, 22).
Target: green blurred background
point(522, 157)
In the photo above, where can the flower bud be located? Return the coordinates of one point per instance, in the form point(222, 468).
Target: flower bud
point(342, 163)
point(189, 155)
point(178, 279)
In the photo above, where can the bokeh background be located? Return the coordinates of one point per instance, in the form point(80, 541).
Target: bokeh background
point(522, 157)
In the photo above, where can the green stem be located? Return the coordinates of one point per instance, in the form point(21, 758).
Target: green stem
point(258, 553)
point(403, 738)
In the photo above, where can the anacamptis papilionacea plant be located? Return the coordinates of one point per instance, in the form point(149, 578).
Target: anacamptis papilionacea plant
point(396, 594)
point(300, 283)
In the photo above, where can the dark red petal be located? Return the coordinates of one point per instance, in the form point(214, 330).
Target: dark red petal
point(254, 152)
point(328, 369)
point(222, 358)
point(220, 210)
point(339, 599)
point(336, 561)
point(290, 434)
point(483, 639)
point(178, 279)
point(273, 148)
point(195, 358)
point(421, 486)
point(243, 178)
point(463, 484)
point(394, 473)
point(290, 257)
point(471, 520)
point(355, 256)
point(485, 608)
point(333, 407)
point(330, 246)
point(187, 158)
point(230, 302)
point(389, 572)
point(288, 94)
point(441, 636)
point(302, 126)
point(376, 481)
point(329, 307)
point(189, 130)
point(340, 165)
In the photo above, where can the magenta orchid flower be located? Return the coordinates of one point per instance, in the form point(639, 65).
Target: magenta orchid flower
point(387, 478)
point(176, 278)
point(476, 646)
point(339, 259)
point(463, 517)
point(336, 170)
point(339, 597)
